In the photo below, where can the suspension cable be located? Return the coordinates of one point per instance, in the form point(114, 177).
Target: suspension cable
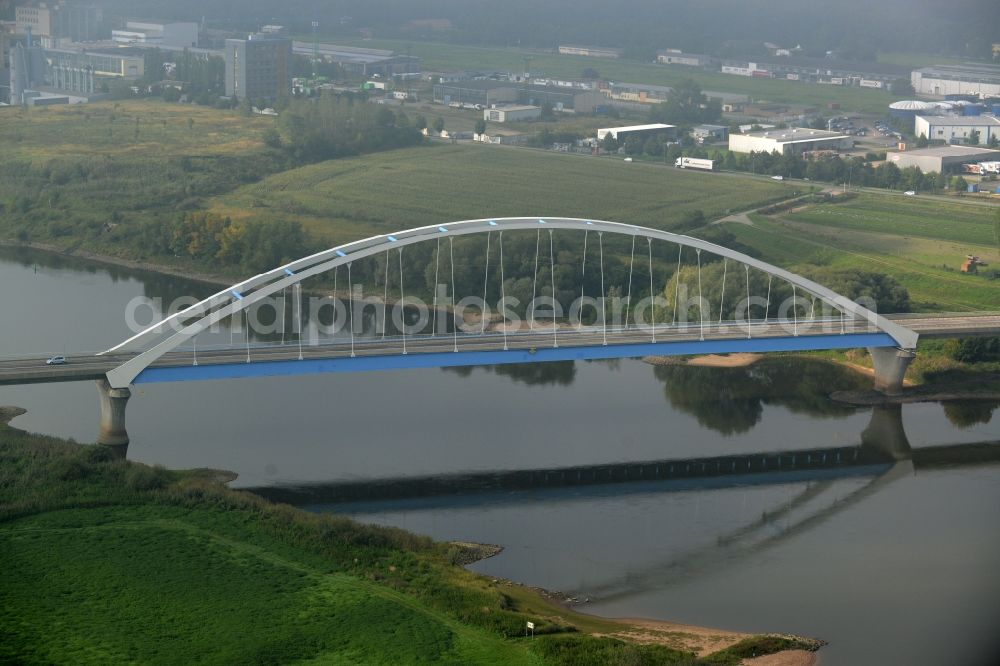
point(454, 311)
point(402, 299)
point(503, 313)
point(677, 282)
point(795, 312)
point(385, 294)
point(604, 299)
point(534, 281)
point(246, 323)
point(583, 276)
point(437, 263)
point(652, 299)
point(767, 307)
point(747, 266)
point(298, 318)
point(486, 280)
point(631, 265)
point(552, 274)
point(350, 309)
point(284, 297)
point(722, 296)
point(701, 301)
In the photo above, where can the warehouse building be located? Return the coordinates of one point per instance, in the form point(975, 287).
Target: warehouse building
point(957, 129)
point(794, 140)
point(703, 133)
point(678, 57)
point(476, 93)
point(512, 113)
point(638, 93)
point(361, 61)
point(570, 100)
point(258, 67)
point(592, 51)
point(156, 33)
point(54, 23)
point(942, 159)
point(68, 70)
point(622, 133)
point(967, 79)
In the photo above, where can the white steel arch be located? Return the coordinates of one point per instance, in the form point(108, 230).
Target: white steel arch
point(244, 294)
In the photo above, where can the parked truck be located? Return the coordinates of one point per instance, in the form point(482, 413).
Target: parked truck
point(694, 163)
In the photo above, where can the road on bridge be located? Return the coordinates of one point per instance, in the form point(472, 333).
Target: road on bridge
point(79, 368)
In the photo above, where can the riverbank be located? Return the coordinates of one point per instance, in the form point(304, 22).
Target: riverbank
point(113, 560)
point(961, 385)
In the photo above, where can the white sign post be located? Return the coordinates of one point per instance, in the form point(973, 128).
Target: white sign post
point(530, 625)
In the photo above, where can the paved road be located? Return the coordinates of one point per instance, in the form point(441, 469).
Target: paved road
point(35, 370)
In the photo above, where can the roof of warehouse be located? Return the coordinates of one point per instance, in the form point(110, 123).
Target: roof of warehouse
point(962, 121)
point(796, 134)
point(948, 151)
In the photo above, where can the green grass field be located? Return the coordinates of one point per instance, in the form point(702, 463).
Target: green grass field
point(920, 242)
point(350, 198)
point(450, 57)
point(106, 561)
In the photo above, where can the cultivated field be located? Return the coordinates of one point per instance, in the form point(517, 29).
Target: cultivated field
point(110, 129)
point(345, 199)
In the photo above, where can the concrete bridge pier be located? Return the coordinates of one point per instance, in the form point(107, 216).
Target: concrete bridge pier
point(113, 402)
point(890, 366)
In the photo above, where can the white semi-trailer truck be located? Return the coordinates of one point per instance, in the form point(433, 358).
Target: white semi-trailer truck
point(694, 163)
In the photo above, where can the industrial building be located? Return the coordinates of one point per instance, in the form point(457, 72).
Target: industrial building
point(361, 61)
point(703, 133)
point(592, 51)
point(638, 93)
point(483, 94)
point(52, 23)
point(942, 159)
point(258, 67)
point(957, 129)
point(818, 70)
point(678, 57)
point(570, 100)
point(623, 133)
point(967, 79)
point(67, 70)
point(512, 113)
point(152, 33)
point(476, 93)
point(794, 140)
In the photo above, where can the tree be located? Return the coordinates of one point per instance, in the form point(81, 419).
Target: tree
point(994, 141)
point(959, 184)
point(686, 105)
point(271, 138)
point(171, 94)
point(480, 126)
point(590, 73)
point(439, 124)
point(547, 111)
point(421, 122)
point(973, 139)
point(901, 87)
point(609, 144)
point(922, 141)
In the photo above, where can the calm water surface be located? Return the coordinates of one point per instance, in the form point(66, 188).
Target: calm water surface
point(893, 564)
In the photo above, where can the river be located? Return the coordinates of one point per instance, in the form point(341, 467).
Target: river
point(892, 563)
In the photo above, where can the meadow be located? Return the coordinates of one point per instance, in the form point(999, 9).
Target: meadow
point(920, 242)
point(108, 561)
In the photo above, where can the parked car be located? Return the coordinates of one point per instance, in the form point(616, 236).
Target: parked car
point(57, 360)
point(910, 193)
point(777, 177)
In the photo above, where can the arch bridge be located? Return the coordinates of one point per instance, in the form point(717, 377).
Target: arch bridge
point(746, 319)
